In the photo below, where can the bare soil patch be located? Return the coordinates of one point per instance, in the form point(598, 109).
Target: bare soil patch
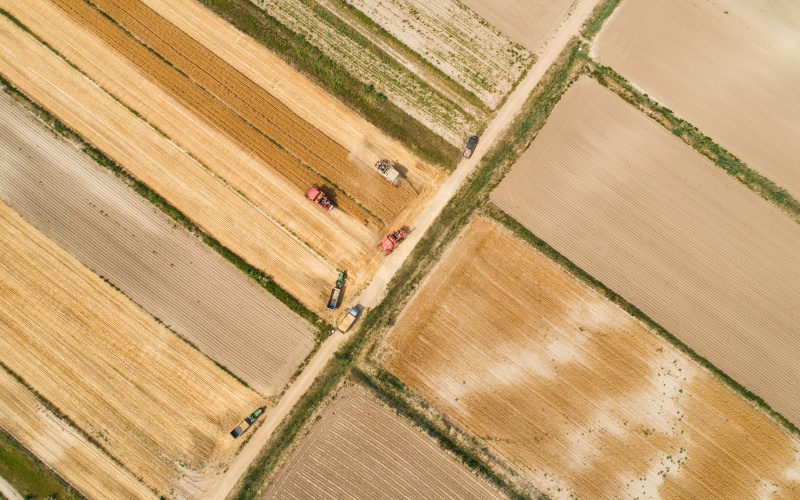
point(696, 251)
point(456, 40)
point(360, 448)
point(62, 448)
point(574, 393)
point(149, 399)
point(531, 24)
point(166, 168)
point(167, 271)
point(729, 67)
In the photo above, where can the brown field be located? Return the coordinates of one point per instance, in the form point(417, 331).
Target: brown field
point(360, 448)
point(455, 40)
point(528, 23)
point(167, 271)
point(154, 403)
point(61, 447)
point(697, 251)
point(729, 67)
point(163, 166)
point(578, 396)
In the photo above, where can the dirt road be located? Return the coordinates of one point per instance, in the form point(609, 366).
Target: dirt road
point(376, 290)
point(8, 491)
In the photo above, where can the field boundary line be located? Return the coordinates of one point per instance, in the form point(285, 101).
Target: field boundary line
point(595, 23)
point(697, 140)
point(329, 75)
point(257, 275)
point(56, 411)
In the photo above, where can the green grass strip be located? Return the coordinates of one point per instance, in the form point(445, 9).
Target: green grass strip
point(703, 144)
point(29, 475)
point(599, 16)
point(323, 71)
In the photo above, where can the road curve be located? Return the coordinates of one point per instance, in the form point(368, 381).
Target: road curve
point(374, 293)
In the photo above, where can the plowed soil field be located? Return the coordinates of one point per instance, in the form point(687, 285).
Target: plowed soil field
point(729, 67)
point(61, 447)
point(569, 389)
point(360, 448)
point(164, 166)
point(153, 402)
point(167, 271)
point(645, 214)
point(530, 23)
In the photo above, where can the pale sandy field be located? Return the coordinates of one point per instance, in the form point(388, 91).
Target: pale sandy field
point(153, 402)
point(164, 167)
point(62, 448)
point(167, 271)
point(360, 448)
point(456, 40)
point(570, 390)
point(729, 67)
point(531, 23)
point(698, 252)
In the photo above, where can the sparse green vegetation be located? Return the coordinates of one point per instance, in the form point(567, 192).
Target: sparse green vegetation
point(28, 475)
point(598, 17)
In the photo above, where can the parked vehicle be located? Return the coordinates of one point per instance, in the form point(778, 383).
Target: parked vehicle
point(471, 143)
point(392, 240)
point(348, 320)
point(336, 292)
point(247, 422)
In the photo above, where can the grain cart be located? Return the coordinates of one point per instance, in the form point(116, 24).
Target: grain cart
point(336, 292)
point(247, 422)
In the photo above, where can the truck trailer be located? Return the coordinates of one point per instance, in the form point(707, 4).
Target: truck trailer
point(247, 422)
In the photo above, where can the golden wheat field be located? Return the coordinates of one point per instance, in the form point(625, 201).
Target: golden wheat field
point(574, 393)
point(698, 252)
point(61, 447)
point(153, 403)
point(243, 137)
point(164, 269)
point(360, 448)
point(729, 67)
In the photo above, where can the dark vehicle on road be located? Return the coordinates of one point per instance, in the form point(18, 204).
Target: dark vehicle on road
point(471, 143)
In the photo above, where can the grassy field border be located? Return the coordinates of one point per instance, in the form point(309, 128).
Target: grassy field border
point(257, 275)
point(296, 51)
point(31, 477)
point(599, 15)
point(700, 142)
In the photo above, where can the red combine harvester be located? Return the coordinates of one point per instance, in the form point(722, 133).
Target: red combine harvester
point(316, 195)
point(392, 240)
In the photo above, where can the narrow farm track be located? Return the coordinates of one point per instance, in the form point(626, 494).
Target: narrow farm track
point(257, 106)
point(206, 105)
point(162, 165)
point(62, 448)
point(112, 369)
point(345, 242)
point(164, 269)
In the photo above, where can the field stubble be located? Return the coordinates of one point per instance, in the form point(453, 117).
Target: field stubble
point(571, 390)
point(646, 215)
point(166, 270)
point(119, 376)
point(729, 68)
point(360, 448)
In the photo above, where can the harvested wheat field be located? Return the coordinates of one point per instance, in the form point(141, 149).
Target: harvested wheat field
point(528, 23)
point(573, 392)
point(164, 166)
point(153, 402)
point(229, 123)
point(729, 67)
point(698, 252)
point(164, 269)
point(62, 448)
point(456, 40)
point(360, 448)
